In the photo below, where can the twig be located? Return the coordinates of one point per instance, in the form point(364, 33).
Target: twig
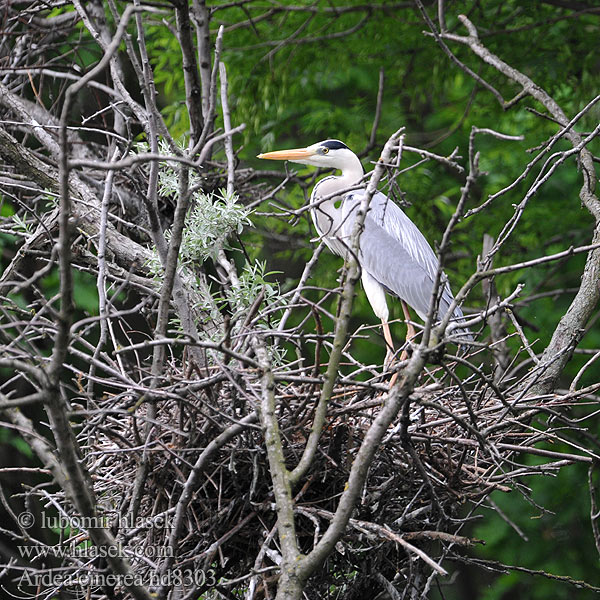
point(227, 125)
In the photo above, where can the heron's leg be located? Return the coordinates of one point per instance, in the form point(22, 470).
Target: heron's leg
point(389, 344)
point(410, 334)
point(376, 296)
point(410, 330)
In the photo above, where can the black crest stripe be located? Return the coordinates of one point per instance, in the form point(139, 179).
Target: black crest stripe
point(334, 144)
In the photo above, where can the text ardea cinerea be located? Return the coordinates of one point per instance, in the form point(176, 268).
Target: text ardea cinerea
point(394, 255)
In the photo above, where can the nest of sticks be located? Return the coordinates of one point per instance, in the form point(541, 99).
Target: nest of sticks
point(449, 448)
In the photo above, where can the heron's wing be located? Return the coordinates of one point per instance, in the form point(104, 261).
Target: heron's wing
point(395, 253)
point(387, 215)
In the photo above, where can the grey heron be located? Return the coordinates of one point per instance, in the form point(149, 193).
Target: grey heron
point(394, 255)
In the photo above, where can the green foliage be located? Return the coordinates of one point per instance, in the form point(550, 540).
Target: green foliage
point(210, 223)
point(21, 226)
point(212, 220)
point(85, 293)
point(8, 437)
point(252, 282)
point(556, 528)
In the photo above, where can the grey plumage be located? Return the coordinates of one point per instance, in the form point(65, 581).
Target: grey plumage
point(397, 255)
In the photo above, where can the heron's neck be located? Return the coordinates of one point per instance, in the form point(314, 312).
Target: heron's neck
point(326, 217)
point(351, 174)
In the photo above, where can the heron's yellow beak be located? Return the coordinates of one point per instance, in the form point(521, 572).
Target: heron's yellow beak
point(294, 154)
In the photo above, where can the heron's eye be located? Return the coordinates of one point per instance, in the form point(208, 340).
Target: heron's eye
point(325, 149)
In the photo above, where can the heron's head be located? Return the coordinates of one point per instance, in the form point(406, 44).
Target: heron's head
point(331, 154)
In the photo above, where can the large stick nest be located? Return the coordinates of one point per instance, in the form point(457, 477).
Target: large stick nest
point(447, 451)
